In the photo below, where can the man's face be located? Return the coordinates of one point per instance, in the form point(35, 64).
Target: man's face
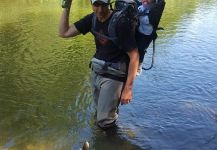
point(101, 9)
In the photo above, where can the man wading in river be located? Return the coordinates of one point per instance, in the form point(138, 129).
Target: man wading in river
point(113, 68)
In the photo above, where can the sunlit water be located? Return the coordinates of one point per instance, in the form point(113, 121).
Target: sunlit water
point(45, 95)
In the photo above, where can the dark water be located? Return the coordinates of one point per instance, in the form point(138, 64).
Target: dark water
point(45, 95)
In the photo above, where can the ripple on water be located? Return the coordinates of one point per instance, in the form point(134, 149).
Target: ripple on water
point(165, 122)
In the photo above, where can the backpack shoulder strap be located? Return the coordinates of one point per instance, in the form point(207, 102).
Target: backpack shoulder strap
point(112, 28)
point(95, 33)
point(93, 25)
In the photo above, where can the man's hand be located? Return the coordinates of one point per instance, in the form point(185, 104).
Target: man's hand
point(66, 3)
point(65, 30)
point(126, 95)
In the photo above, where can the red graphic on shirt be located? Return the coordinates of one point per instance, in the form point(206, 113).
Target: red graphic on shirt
point(102, 40)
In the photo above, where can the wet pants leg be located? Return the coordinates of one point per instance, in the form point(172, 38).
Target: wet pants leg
point(106, 95)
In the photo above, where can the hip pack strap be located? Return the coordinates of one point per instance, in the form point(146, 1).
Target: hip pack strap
point(102, 67)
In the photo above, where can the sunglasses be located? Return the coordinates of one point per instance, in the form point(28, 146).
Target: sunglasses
point(98, 4)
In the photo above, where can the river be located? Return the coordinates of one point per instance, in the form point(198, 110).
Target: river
point(45, 95)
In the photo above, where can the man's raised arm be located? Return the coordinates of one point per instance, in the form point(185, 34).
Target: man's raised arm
point(65, 30)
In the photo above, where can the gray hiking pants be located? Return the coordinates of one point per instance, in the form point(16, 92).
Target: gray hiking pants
point(106, 96)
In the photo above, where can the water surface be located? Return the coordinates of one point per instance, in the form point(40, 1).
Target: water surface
point(45, 95)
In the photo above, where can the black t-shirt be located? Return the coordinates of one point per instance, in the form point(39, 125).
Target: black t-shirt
point(105, 49)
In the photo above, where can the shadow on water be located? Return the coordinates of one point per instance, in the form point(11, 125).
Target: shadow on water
point(114, 139)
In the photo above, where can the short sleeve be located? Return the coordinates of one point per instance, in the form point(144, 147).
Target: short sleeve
point(84, 24)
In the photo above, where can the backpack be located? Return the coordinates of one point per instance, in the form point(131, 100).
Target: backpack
point(154, 15)
point(122, 10)
point(128, 9)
